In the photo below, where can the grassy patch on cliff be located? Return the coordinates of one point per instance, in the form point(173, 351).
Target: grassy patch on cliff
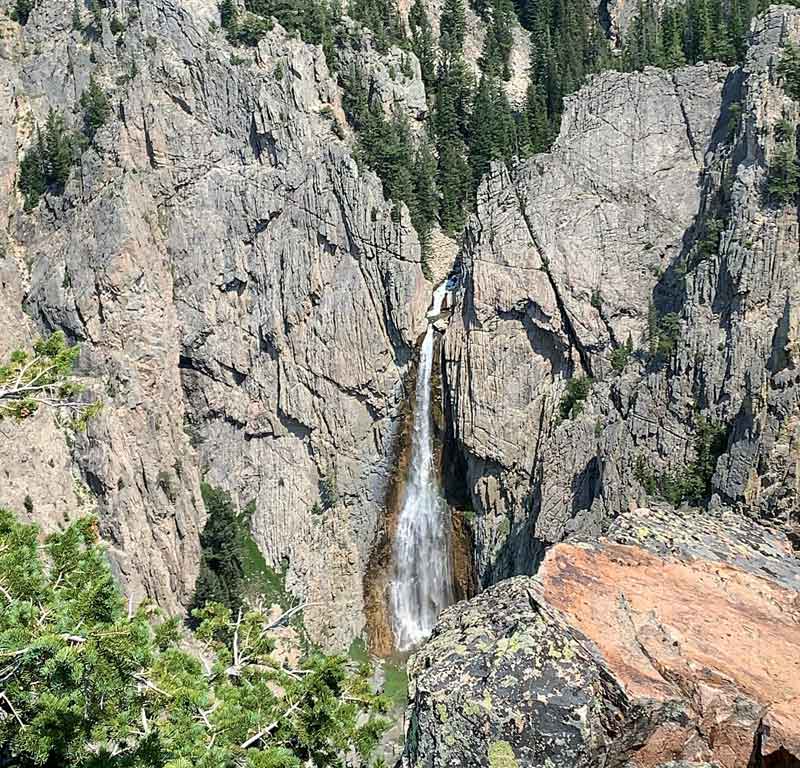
point(395, 677)
point(258, 578)
point(395, 684)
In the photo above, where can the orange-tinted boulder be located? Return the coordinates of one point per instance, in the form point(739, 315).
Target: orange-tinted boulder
point(675, 638)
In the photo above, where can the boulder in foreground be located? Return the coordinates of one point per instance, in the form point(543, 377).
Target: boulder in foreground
point(675, 638)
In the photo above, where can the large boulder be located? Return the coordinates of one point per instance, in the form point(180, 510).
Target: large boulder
point(672, 639)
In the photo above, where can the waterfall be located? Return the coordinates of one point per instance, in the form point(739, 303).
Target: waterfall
point(421, 583)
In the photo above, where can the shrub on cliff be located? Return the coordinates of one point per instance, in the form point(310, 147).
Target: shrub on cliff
point(89, 682)
point(621, 354)
point(572, 401)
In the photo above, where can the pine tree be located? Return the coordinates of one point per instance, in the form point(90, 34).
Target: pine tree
point(503, 125)
point(452, 26)
point(422, 37)
point(499, 39)
point(427, 200)
point(701, 38)
point(673, 26)
point(354, 96)
point(738, 28)
point(538, 126)
point(399, 180)
point(93, 682)
point(481, 149)
point(452, 99)
point(58, 150)
point(22, 11)
point(96, 108)
point(382, 18)
point(492, 133)
point(454, 185)
point(32, 180)
point(789, 70)
point(97, 16)
point(77, 24)
point(221, 573)
point(228, 14)
point(783, 173)
point(644, 44)
point(47, 163)
point(724, 48)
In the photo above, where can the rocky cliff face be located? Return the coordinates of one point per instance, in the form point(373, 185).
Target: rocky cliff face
point(648, 636)
point(572, 254)
point(246, 303)
point(666, 641)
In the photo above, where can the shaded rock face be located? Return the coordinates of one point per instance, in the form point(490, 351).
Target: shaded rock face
point(247, 304)
point(668, 640)
point(573, 253)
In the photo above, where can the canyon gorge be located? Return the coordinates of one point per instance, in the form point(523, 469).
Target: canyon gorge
point(554, 455)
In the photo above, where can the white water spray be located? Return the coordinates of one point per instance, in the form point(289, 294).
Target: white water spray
point(421, 584)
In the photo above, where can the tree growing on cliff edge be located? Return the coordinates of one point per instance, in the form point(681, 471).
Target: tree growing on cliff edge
point(96, 108)
point(88, 682)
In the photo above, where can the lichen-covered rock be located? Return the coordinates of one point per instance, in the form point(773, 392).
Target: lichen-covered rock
point(499, 684)
point(669, 640)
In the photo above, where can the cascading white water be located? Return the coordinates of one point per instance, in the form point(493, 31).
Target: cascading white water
point(421, 584)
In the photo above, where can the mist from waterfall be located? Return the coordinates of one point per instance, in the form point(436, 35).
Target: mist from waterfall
point(422, 583)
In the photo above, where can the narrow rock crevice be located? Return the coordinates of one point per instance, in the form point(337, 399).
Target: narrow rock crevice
point(689, 136)
point(566, 320)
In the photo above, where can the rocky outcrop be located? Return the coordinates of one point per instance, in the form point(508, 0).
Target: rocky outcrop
point(246, 302)
point(669, 640)
point(392, 78)
point(573, 253)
